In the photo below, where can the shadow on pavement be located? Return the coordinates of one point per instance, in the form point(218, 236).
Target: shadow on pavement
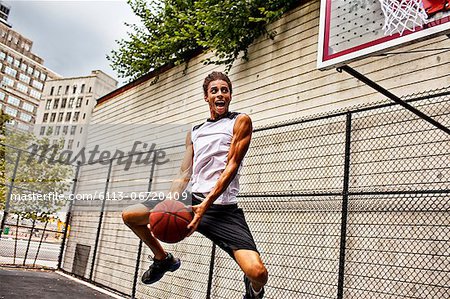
point(20, 283)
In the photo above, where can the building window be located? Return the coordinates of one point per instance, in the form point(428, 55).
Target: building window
point(67, 90)
point(71, 102)
point(13, 100)
point(25, 117)
point(73, 129)
point(10, 71)
point(48, 104)
point(53, 117)
point(90, 89)
point(2, 95)
point(38, 85)
point(87, 102)
point(11, 111)
point(74, 89)
point(68, 116)
point(36, 73)
point(63, 103)
point(82, 88)
point(43, 77)
point(24, 78)
point(23, 67)
point(16, 63)
point(28, 107)
point(45, 118)
point(23, 126)
point(9, 59)
point(57, 130)
point(60, 116)
point(65, 130)
point(79, 101)
point(70, 144)
point(22, 88)
point(35, 94)
point(8, 81)
point(42, 132)
point(55, 104)
point(50, 131)
point(76, 115)
point(2, 55)
point(81, 130)
point(30, 70)
point(59, 90)
point(52, 90)
point(84, 115)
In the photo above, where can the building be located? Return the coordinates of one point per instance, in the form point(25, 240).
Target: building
point(22, 76)
point(4, 13)
point(67, 104)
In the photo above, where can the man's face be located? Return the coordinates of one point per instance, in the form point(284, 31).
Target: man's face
point(218, 98)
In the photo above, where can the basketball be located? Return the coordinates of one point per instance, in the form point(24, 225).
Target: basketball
point(169, 220)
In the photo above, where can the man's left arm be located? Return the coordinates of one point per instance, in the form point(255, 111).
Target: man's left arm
point(242, 135)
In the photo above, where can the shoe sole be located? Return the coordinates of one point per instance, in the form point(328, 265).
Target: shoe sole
point(174, 267)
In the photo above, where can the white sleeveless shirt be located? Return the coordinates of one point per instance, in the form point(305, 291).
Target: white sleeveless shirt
point(211, 141)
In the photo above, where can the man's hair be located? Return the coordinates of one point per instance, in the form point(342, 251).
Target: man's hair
point(216, 76)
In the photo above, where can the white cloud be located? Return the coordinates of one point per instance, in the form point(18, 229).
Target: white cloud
point(73, 37)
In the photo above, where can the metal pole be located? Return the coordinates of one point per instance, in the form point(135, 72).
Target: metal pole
point(345, 192)
point(138, 258)
point(99, 227)
point(68, 217)
point(29, 241)
point(211, 271)
point(393, 97)
point(8, 196)
point(40, 243)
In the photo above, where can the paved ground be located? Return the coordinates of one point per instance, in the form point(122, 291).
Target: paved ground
point(16, 283)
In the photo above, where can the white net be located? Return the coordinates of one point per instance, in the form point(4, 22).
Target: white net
point(401, 15)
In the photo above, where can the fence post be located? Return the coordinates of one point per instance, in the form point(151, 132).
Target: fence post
point(138, 258)
point(211, 271)
point(68, 217)
point(341, 274)
point(99, 227)
point(8, 196)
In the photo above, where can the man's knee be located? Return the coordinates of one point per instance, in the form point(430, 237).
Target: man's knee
point(134, 215)
point(258, 272)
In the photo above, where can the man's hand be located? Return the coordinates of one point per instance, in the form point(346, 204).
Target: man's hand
point(198, 210)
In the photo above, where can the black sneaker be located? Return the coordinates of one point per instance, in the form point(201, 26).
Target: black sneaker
point(249, 292)
point(157, 270)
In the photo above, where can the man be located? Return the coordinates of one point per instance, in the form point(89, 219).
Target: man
point(214, 154)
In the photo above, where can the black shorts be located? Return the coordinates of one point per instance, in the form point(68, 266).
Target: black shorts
point(225, 225)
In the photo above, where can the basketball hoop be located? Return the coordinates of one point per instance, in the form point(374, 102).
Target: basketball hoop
point(401, 15)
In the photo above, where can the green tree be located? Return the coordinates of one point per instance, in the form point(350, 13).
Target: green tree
point(173, 30)
point(35, 175)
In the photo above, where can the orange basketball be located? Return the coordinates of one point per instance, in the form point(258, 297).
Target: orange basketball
point(169, 220)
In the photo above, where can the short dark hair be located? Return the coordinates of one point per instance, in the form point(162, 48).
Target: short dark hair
point(216, 76)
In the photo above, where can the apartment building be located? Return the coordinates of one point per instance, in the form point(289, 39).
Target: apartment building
point(22, 77)
point(66, 107)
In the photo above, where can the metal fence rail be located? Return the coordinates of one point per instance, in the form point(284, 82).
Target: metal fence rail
point(347, 205)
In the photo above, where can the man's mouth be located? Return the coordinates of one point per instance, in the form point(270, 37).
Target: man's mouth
point(220, 103)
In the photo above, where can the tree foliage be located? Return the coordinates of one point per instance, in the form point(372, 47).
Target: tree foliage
point(35, 174)
point(172, 30)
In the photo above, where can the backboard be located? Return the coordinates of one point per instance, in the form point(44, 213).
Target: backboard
point(351, 30)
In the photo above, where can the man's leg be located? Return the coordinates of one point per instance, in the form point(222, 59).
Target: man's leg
point(136, 217)
point(253, 267)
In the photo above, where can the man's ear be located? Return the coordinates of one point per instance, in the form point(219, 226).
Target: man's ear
point(206, 98)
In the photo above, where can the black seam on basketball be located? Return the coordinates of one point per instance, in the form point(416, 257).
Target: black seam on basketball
point(166, 225)
point(159, 220)
point(178, 216)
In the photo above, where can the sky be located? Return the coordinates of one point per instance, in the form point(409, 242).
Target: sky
point(73, 37)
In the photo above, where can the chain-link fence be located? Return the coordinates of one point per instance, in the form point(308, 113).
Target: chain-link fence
point(33, 227)
point(349, 205)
